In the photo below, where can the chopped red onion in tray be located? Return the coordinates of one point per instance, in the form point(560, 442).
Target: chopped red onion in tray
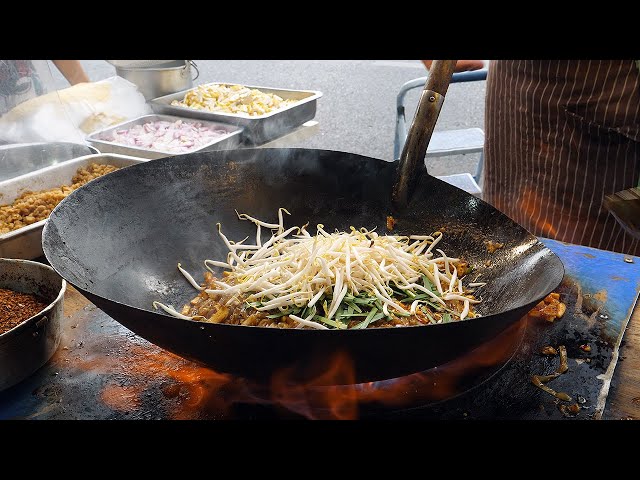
point(171, 137)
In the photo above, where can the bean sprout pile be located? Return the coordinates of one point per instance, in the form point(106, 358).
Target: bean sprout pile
point(340, 280)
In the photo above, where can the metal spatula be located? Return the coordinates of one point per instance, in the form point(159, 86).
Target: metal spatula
point(625, 207)
point(420, 131)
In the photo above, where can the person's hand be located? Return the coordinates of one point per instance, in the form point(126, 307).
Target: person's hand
point(72, 70)
point(461, 65)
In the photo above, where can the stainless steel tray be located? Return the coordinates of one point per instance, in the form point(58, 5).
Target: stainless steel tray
point(258, 129)
point(20, 158)
point(26, 242)
point(226, 142)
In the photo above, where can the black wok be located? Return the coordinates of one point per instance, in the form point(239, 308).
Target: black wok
point(119, 238)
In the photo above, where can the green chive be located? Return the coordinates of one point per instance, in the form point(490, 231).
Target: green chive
point(421, 296)
point(319, 318)
point(294, 311)
point(354, 307)
point(367, 320)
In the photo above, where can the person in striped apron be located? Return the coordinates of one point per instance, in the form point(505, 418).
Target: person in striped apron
point(560, 135)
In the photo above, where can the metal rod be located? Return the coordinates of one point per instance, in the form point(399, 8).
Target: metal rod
point(415, 148)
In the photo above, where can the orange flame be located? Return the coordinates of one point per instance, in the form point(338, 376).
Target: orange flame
point(187, 390)
point(337, 401)
point(531, 205)
point(343, 400)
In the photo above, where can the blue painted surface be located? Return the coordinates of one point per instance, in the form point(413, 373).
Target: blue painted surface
point(600, 272)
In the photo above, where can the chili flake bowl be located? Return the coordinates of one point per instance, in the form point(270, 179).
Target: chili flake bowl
point(30, 344)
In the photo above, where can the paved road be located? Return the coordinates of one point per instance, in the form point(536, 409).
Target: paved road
point(357, 111)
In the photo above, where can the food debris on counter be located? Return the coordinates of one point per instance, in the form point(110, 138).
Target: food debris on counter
point(540, 380)
point(549, 350)
point(549, 308)
point(569, 410)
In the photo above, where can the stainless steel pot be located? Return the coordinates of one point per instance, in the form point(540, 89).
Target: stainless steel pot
point(29, 345)
point(156, 78)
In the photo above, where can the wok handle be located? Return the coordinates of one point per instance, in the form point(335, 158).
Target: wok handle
point(422, 126)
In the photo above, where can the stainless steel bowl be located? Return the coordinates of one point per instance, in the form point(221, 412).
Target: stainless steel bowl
point(29, 345)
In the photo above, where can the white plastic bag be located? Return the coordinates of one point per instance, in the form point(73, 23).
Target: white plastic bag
point(68, 115)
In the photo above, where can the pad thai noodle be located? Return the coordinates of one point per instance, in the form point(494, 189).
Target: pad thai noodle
point(339, 280)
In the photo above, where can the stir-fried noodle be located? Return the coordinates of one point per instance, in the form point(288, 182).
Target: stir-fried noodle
point(340, 280)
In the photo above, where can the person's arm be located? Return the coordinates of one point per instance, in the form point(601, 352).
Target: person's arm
point(72, 70)
point(461, 65)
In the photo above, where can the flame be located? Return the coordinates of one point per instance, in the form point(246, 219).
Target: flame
point(530, 206)
point(139, 372)
point(344, 400)
point(331, 395)
point(188, 387)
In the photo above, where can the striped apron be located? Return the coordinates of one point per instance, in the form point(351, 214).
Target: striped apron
point(560, 135)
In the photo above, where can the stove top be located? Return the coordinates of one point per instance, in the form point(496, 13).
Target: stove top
point(104, 371)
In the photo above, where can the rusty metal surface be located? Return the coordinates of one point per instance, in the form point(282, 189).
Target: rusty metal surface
point(103, 371)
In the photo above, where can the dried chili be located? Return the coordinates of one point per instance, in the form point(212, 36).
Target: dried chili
point(16, 307)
